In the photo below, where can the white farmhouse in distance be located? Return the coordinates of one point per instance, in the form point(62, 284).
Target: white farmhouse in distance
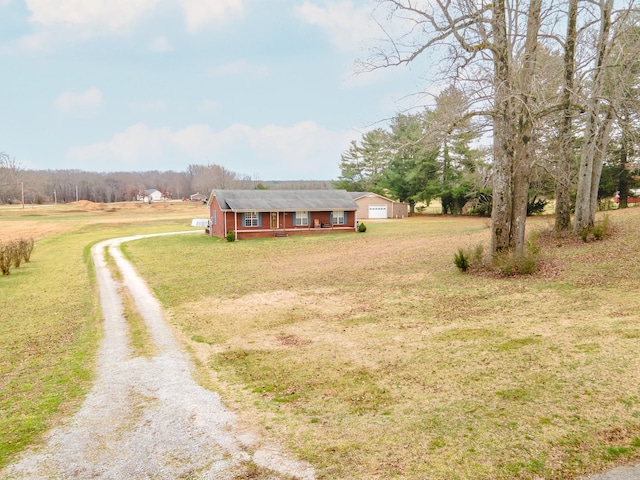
point(149, 196)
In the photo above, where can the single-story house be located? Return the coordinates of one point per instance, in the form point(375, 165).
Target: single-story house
point(371, 205)
point(268, 213)
point(198, 197)
point(151, 195)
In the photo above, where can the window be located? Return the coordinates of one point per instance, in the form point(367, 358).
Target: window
point(251, 219)
point(301, 219)
point(338, 217)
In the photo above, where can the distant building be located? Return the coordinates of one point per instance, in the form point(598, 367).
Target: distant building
point(371, 206)
point(149, 196)
point(198, 197)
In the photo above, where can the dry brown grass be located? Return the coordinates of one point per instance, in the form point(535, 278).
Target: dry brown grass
point(371, 356)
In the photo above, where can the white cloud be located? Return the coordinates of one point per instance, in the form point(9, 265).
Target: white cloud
point(348, 27)
point(239, 68)
point(81, 101)
point(305, 150)
point(97, 16)
point(111, 14)
point(160, 45)
point(200, 14)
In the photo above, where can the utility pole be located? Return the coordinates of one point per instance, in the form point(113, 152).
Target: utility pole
point(55, 198)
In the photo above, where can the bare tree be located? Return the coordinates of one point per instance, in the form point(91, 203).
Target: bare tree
point(617, 53)
point(10, 170)
point(564, 167)
point(492, 54)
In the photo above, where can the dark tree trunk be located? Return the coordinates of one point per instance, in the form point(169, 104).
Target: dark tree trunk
point(563, 178)
point(513, 132)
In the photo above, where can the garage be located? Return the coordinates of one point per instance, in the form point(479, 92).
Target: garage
point(377, 211)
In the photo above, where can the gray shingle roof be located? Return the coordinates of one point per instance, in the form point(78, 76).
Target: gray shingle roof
point(357, 195)
point(284, 200)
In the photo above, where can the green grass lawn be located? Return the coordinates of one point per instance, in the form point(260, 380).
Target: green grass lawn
point(371, 356)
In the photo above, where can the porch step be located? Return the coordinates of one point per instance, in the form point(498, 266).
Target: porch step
point(281, 234)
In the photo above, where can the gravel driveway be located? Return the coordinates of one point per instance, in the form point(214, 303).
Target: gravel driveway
point(146, 418)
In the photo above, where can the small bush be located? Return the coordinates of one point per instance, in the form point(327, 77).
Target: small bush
point(461, 260)
point(526, 264)
point(26, 248)
point(362, 227)
point(16, 254)
point(536, 206)
point(598, 231)
point(477, 255)
point(6, 260)
point(231, 237)
point(12, 254)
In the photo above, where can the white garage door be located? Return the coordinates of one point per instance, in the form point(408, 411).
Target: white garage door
point(377, 211)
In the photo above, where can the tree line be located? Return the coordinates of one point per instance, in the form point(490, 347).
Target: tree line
point(64, 186)
point(556, 82)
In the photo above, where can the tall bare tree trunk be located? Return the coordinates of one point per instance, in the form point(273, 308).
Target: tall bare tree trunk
point(513, 132)
point(596, 133)
point(563, 175)
point(503, 154)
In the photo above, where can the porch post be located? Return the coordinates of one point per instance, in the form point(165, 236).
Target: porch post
point(235, 224)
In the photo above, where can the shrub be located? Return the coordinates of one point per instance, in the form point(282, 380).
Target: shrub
point(26, 248)
point(598, 231)
point(477, 255)
point(526, 264)
point(461, 260)
point(16, 254)
point(231, 237)
point(362, 228)
point(6, 258)
point(536, 206)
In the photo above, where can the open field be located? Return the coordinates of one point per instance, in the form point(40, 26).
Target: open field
point(49, 318)
point(372, 357)
point(368, 355)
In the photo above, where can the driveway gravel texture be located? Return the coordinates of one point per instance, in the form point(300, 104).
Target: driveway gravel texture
point(146, 418)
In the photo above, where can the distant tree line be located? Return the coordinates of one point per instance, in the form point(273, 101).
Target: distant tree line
point(64, 186)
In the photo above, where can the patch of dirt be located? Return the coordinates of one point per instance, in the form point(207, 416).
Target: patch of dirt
point(292, 341)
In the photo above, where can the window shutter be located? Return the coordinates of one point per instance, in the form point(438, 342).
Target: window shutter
point(244, 221)
point(330, 217)
point(259, 219)
point(344, 215)
point(294, 219)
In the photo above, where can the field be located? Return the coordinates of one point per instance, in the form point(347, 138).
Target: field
point(49, 314)
point(368, 355)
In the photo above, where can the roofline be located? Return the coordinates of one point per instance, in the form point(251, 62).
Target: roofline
point(244, 210)
point(366, 194)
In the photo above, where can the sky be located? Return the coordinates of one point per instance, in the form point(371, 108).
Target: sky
point(265, 88)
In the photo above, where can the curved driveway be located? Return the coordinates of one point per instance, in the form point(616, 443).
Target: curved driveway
point(146, 418)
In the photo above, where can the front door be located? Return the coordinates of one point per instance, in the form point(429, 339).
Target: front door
point(274, 220)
